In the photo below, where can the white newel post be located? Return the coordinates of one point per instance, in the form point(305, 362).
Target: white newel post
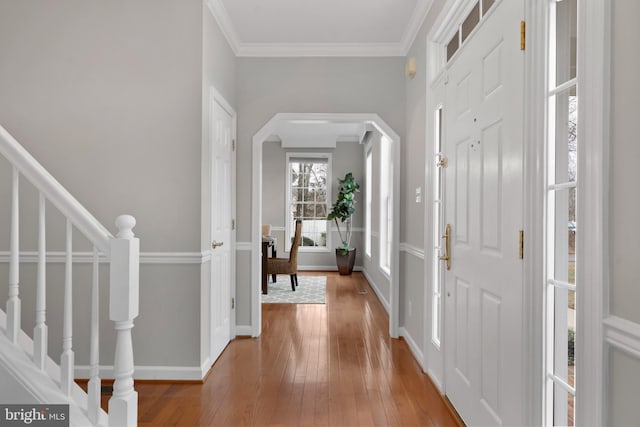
point(123, 308)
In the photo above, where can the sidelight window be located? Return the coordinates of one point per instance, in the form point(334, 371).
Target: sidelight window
point(561, 214)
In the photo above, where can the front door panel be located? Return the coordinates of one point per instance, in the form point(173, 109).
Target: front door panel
point(483, 304)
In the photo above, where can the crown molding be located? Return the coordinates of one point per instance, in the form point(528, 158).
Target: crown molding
point(274, 50)
point(417, 19)
point(220, 14)
point(319, 49)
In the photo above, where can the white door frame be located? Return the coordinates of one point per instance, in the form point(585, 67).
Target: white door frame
point(594, 108)
point(205, 224)
point(256, 207)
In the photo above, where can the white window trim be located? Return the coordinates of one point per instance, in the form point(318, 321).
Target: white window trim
point(288, 225)
point(368, 203)
point(386, 192)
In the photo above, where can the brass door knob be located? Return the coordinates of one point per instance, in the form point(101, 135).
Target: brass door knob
point(215, 244)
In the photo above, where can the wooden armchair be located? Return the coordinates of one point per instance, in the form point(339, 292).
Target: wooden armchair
point(288, 266)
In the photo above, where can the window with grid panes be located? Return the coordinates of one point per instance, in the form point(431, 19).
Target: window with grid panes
point(308, 187)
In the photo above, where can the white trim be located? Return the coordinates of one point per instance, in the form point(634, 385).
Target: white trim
point(417, 18)
point(452, 14)
point(594, 20)
point(534, 179)
point(58, 257)
point(243, 246)
point(282, 50)
point(412, 250)
point(243, 330)
point(167, 373)
point(220, 14)
point(623, 335)
point(256, 205)
point(436, 381)
point(377, 291)
point(332, 228)
point(400, 48)
point(413, 346)
point(325, 268)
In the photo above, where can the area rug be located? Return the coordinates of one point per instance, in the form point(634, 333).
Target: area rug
point(310, 290)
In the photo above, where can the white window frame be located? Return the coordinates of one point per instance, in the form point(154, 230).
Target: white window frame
point(437, 227)
point(368, 161)
point(289, 220)
point(385, 246)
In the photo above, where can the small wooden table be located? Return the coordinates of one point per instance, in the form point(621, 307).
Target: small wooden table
point(267, 242)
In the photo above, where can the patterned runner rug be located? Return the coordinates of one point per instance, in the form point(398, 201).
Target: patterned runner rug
point(310, 290)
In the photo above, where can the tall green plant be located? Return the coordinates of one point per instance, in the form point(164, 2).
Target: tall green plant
point(344, 207)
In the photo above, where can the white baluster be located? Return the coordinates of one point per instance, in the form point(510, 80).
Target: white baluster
point(13, 303)
point(67, 358)
point(94, 380)
point(123, 308)
point(40, 331)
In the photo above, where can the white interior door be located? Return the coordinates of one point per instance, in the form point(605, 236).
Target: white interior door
point(483, 143)
point(221, 228)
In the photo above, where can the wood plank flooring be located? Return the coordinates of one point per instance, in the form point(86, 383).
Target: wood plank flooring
point(327, 364)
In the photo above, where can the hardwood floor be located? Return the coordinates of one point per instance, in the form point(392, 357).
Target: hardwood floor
point(314, 365)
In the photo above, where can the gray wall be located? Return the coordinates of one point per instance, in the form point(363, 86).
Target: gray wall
point(110, 98)
point(305, 85)
point(412, 229)
point(346, 157)
point(625, 157)
point(624, 371)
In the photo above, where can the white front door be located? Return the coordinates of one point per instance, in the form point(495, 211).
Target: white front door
point(221, 228)
point(484, 177)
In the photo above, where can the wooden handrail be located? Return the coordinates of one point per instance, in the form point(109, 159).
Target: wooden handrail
point(35, 173)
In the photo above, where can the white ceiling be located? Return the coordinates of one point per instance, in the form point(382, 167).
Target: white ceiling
point(320, 27)
point(317, 133)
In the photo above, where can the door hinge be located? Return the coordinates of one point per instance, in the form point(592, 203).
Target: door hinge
point(523, 35)
point(233, 145)
point(233, 224)
point(521, 245)
point(233, 303)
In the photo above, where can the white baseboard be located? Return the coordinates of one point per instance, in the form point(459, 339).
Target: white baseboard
point(413, 346)
point(375, 288)
point(169, 373)
point(324, 268)
point(435, 380)
point(243, 330)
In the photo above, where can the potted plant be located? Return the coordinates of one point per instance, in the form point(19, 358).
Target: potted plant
point(342, 210)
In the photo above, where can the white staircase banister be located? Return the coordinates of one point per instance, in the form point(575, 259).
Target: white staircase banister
point(35, 173)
